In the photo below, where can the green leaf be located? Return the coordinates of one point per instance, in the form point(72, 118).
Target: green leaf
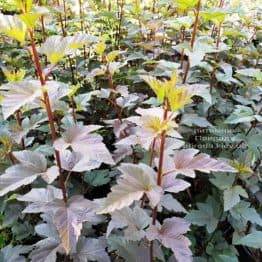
point(232, 196)
point(241, 114)
point(251, 240)
point(206, 215)
point(250, 72)
point(194, 120)
point(243, 211)
point(223, 180)
point(97, 177)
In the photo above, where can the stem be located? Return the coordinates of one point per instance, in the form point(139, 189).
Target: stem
point(192, 42)
point(152, 148)
point(112, 98)
point(72, 101)
point(40, 74)
point(19, 122)
point(11, 157)
point(64, 7)
point(182, 41)
point(82, 26)
point(69, 58)
point(218, 35)
point(61, 20)
point(43, 28)
point(195, 25)
point(120, 20)
point(159, 173)
point(154, 6)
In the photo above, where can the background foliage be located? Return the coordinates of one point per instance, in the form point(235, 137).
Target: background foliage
point(112, 72)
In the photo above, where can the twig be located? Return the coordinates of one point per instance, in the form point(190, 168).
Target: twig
point(40, 74)
point(193, 38)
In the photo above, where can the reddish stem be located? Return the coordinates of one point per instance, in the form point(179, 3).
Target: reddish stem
point(193, 38)
point(46, 99)
point(159, 174)
point(19, 122)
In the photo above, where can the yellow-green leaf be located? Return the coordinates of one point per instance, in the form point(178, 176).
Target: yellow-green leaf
point(178, 98)
point(110, 57)
point(217, 16)
point(29, 19)
point(13, 27)
point(161, 88)
point(100, 48)
point(14, 76)
point(24, 5)
point(186, 4)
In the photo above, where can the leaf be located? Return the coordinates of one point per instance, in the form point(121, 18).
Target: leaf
point(54, 48)
point(13, 27)
point(232, 196)
point(194, 120)
point(170, 234)
point(135, 220)
point(41, 198)
point(134, 251)
point(69, 218)
point(161, 88)
point(13, 254)
point(178, 98)
point(32, 164)
point(195, 56)
point(76, 162)
point(216, 15)
point(81, 141)
point(136, 181)
point(97, 177)
point(23, 4)
point(206, 215)
point(14, 75)
point(226, 76)
point(240, 114)
point(251, 240)
point(243, 211)
point(28, 124)
point(185, 161)
point(112, 55)
point(186, 4)
point(45, 251)
point(150, 125)
point(250, 72)
point(223, 181)
point(179, 22)
point(202, 90)
point(100, 48)
point(47, 248)
point(19, 94)
point(30, 19)
point(78, 41)
point(91, 249)
point(28, 93)
point(171, 204)
point(171, 184)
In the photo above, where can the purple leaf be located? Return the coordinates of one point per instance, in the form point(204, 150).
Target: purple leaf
point(186, 161)
point(170, 234)
point(136, 181)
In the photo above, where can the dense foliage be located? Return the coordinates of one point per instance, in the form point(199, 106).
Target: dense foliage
point(130, 130)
